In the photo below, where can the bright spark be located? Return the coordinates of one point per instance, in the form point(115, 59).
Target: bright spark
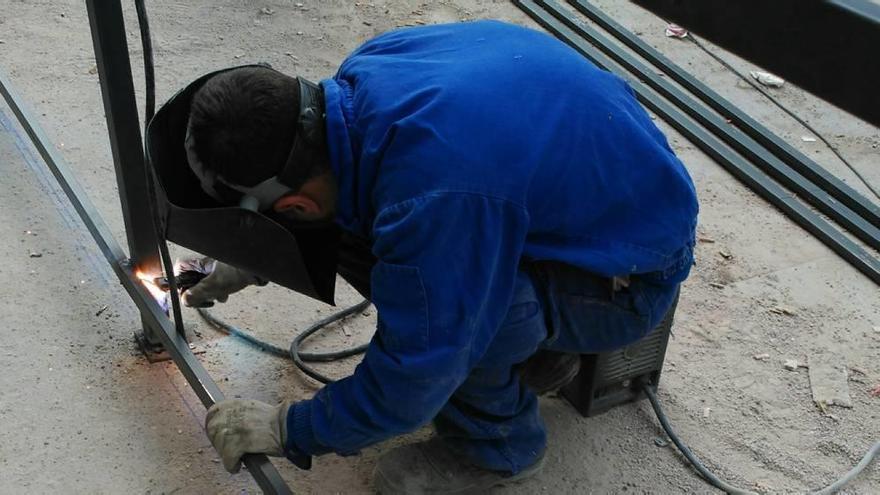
point(158, 294)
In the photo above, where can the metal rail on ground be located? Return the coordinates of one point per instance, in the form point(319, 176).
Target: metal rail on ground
point(734, 163)
point(743, 144)
point(799, 162)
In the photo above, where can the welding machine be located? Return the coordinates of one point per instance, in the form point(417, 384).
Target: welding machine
point(612, 378)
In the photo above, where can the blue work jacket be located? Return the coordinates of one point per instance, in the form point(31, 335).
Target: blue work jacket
point(461, 150)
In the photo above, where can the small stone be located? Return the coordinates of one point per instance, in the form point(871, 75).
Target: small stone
point(34, 254)
point(299, 33)
point(716, 285)
point(761, 357)
point(368, 23)
point(726, 255)
point(791, 364)
point(783, 310)
point(706, 411)
point(707, 240)
point(267, 11)
point(660, 442)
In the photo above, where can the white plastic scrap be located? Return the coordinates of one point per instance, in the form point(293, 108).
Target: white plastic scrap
point(767, 79)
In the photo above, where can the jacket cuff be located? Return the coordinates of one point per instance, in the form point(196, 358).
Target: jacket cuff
point(301, 444)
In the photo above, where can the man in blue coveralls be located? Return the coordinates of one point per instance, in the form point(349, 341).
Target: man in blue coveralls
point(515, 206)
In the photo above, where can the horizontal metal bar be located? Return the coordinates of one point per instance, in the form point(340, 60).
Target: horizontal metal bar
point(711, 145)
point(839, 65)
point(735, 138)
point(265, 474)
point(801, 163)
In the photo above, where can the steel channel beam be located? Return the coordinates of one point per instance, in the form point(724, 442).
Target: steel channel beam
point(735, 138)
point(120, 108)
point(801, 164)
point(734, 163)
point(265, 474)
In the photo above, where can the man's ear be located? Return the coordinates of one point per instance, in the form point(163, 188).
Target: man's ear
point(300, 204)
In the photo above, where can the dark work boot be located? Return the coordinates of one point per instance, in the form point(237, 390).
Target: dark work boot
point(548, 371)
point(432, 468)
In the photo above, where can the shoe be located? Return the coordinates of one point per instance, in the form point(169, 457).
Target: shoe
point(430, 467)
point(548, 371)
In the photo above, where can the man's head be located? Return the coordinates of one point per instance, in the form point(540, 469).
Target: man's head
point(242, 127)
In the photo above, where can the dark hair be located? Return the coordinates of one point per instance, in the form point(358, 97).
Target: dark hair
point(243, 123)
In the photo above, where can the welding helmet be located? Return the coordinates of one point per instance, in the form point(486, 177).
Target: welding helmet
point(203, 211)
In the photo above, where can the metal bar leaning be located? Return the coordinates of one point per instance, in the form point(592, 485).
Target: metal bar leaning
point(263, 472)
point(801, 164)
point(735, 138)
point(746, 172)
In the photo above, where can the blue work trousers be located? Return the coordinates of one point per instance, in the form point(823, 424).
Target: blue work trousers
point(493, 419)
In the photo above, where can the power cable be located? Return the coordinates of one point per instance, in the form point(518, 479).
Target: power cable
point(293, 353)
point(728, 488)
point(149, 70)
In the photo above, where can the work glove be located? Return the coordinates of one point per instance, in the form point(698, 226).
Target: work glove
point(237, 427)
point(221, 281)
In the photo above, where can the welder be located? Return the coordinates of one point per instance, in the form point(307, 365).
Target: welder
point(504, 204)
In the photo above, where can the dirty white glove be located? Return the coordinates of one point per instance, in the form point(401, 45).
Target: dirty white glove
point(221, 280)
point(238, 426)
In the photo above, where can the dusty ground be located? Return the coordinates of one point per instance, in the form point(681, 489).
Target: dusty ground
point(82, 412)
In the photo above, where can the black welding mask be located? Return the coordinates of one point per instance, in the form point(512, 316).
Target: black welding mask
point(235, 224)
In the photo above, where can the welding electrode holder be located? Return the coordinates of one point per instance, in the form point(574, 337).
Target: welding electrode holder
point(301, 257)
point(185, 280)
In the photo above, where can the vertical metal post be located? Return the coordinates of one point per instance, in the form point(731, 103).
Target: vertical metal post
point(114, 69)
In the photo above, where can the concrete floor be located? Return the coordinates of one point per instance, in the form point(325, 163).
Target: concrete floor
point(82, 412)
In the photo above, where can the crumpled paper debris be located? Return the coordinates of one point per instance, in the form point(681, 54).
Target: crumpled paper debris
point(675, 31)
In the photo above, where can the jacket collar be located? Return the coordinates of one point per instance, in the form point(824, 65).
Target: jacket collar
point(342, 150)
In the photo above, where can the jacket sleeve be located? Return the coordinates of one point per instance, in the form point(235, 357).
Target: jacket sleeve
point(442, 285)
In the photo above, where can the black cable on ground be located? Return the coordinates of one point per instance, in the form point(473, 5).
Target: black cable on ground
point(695, 462)
point(149, 74)
point(299, 358)
point(785, 109)
point(724, 486)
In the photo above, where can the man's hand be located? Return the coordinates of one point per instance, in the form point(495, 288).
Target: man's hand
point(237, 427)
point(221, 281)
